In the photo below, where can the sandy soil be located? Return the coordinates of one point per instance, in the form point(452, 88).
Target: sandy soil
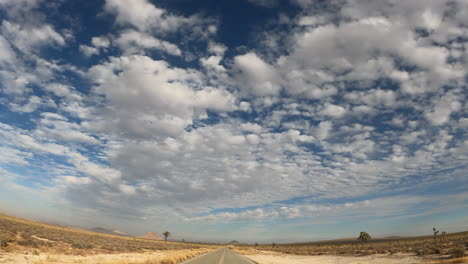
point(155, 257)
point(43, 258)
point(372, 259)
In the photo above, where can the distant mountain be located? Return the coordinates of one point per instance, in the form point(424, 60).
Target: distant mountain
point(108, 231)
point(234, 242)
point(151, 235)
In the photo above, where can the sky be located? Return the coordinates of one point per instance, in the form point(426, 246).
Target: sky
point(254, 120)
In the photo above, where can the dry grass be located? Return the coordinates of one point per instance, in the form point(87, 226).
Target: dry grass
point(453, 245)
point(158, 257)
point(171, 257)
point(450, 261)
point(24, 236)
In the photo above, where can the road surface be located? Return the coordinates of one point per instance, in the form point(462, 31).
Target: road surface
point(220, 256)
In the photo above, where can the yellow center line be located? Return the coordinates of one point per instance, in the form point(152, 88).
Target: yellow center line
point(221, 260)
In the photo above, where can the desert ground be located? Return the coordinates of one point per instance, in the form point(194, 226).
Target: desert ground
point(171, 256)
point(24, 241)
point(377, 259)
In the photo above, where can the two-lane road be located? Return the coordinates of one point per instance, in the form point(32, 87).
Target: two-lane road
point(220, 256)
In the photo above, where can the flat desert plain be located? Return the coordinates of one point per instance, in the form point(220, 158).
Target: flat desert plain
point(25, 241)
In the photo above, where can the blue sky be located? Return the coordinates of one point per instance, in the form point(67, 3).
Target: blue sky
point(255, 120)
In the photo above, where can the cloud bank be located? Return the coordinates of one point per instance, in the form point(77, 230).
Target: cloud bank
point(338, 110)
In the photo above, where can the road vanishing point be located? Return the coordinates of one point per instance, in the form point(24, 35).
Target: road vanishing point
point(220, 256)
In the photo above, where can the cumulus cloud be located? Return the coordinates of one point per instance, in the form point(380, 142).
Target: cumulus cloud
point(217, 48)
point(28, 38)
point(323, 129)
point(100, 42)
point(331, 110)
point(88, 51)
point(141, 14)
point(443, 108)
point(30, 106)
point(131, 42)
point(154, 97)
point(147, 17)
point(258, 76)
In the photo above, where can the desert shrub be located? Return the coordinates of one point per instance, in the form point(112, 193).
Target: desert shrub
point(3, 242)
point(82, 246)
point(108, 248)
point(27, 242)
point(458, 252)
point(168, 260)
point(419, 252)
point(52, 258)
point(47, 244)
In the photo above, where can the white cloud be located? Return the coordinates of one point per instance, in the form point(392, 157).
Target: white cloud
point(31, 105)
point(154, 97)
point(443, 108)
point(140, 14)
point(28, 38)
point(58, 127)
point(88, 51)
point(332, 110)
point(323, 130)
point(8, 56)
point(373, 97)
point(17, 138)
point(14, 156)
point(253, 139)
point(13, 83)
point(259, 77)
point(213, 62)
point(134, 42)
point(251, 127)
point(217, 48)
point(146, 17)
point(58, 89)
point(392, 206)
point(100, 42)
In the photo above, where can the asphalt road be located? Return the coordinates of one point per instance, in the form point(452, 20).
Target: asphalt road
point(220, 256)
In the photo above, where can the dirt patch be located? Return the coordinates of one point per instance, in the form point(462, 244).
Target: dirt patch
point(8, 258)
point(372, 259)
point(43, 239)
point(157, 257)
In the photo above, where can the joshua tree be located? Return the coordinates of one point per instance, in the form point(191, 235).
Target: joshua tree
point(364, 236)
point(435, 234)
point(166, 234)
point(273, 245)
point(256, 244)
point(442, 238)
